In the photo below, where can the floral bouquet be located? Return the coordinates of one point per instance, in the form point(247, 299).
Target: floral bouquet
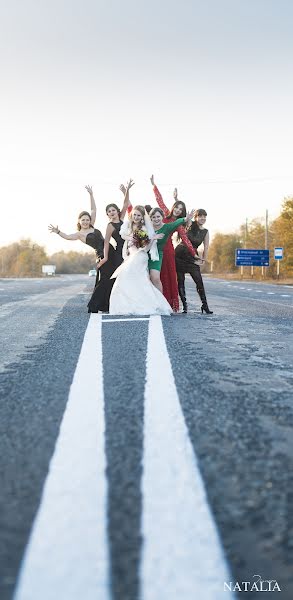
point(140, 238)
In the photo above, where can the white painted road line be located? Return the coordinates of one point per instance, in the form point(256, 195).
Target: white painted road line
point(126, 319)
point(285, 295)
point(270, 293)
point(271, 302)
point(181, 556)
point(67, 555)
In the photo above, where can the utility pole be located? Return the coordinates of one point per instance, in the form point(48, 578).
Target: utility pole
point(245, 242)
point(266, 238)
point(267, 229)
point(263, 272)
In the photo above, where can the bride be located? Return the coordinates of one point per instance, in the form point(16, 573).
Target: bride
point(133, 293)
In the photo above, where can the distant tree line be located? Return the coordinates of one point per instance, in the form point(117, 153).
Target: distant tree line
point(25, 259)
point(252, 235)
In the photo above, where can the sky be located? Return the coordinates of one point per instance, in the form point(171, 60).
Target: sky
point(199, 93)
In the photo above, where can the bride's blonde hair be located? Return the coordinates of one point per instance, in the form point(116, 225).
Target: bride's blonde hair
point(141, 209)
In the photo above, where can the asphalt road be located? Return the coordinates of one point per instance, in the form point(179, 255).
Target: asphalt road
point(233, 375)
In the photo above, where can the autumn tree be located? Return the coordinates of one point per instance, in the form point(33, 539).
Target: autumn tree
point(222, 251)
point(72, 262)
point(22, 259)
point(282, 234)
point(25, 259)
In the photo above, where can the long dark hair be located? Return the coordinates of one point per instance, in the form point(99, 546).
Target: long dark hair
point(84, 212)
point(183, 213)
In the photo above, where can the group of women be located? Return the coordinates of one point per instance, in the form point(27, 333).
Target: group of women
point(138, 270)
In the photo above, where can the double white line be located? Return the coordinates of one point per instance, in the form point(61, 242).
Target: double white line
point(67, 557)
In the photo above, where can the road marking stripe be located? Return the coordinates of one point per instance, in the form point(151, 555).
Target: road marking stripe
point(67, 555)
point(181, 554)
point(281, 305)
point(285, 295)
point(270, 293)
point(126, 319)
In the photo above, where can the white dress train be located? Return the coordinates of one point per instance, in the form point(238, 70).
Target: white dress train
point(133, 292)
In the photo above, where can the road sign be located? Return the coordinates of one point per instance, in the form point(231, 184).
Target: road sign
point(278, 253)
point(249, 257)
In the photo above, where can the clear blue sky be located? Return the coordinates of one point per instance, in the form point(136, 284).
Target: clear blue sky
point(198, 93)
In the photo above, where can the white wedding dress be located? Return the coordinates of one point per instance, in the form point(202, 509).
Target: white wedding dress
point(133, 292)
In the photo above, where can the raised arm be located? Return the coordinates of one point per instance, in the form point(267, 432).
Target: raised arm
point(159, 198)
point(123, 190)
point(108, 235)
point(172, 225)
point(126, 199)
point(93, 204)
point(65, 236)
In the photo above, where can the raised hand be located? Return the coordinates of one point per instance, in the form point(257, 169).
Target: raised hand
point(190, 215)
point(175, 194)
point(198, 260)
point(53, 229)
point(130, 183)
point(152, 180)
point(89, 189)
point(122, 188)
point(100, 263)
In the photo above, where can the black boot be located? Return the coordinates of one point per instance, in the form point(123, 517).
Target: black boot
point(181, 290)
point(202, 295)
point(205, 308)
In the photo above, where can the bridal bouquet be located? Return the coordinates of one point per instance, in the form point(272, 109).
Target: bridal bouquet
point(140, 238)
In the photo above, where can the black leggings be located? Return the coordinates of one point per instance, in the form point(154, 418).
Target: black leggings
point(194, 272)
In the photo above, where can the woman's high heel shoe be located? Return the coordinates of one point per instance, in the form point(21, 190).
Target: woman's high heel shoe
point(206, 310)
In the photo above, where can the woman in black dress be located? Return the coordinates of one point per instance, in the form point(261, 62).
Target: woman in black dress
point(186, 263)
point(110, 258)
point(87, 234)
point(86, 231)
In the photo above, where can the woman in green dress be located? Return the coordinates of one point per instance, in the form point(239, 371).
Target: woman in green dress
point(157, 216)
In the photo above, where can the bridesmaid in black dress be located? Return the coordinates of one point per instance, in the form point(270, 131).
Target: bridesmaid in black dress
point(87, 234)
point(186, 263)
point(85, 225)
point(110, 258)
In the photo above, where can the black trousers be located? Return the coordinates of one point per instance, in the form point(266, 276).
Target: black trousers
point(194, 272)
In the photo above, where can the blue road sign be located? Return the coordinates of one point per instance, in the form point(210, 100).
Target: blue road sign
point(278, 253)
point(248, 257)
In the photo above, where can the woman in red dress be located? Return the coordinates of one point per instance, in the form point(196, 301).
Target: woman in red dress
point(168, 271)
